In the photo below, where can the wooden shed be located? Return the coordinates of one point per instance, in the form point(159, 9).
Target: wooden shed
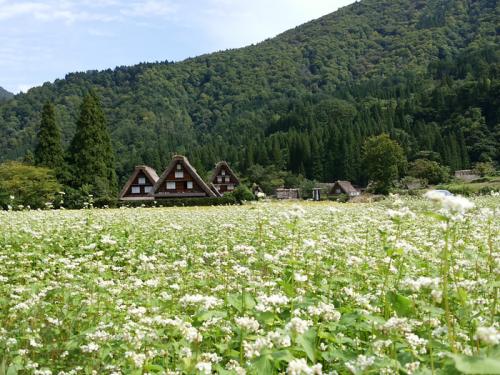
point(180, 180)
point(140, 184)
point(287, 194)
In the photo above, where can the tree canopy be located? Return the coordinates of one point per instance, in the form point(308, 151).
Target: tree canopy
point(424, 72)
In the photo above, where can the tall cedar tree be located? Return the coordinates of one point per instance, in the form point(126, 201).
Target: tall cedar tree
point(91, 154)
point(49, 151)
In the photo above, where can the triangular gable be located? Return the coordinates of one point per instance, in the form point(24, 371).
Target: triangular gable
point(220, 165)
point(148, 172)
point(189, 169)
point(215, 191)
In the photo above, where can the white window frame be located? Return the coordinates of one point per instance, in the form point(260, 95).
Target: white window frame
point(227, 179)
point(179, 167)
point(223, 172)
point(171, 185)
point(179, 174)
point(136, 190)
point(189, 185)
point(219, 179)
point(148, 189)
point(142, 180)
point(230, 187)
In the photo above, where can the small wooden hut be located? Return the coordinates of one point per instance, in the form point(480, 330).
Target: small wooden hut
point(287, 194)
point(180, 180)
point(344, 187)
point(223, 178)
point(140, 184)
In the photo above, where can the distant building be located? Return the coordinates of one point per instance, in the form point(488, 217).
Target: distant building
point(223, 178)
point(180, 180)
point(140, 184)
point(466, 175)
point(287, 194)
point(344, 187)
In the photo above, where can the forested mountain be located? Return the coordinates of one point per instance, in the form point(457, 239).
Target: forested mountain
point(425, 71)
point(4, 94)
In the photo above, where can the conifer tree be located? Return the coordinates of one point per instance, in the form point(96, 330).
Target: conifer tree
point(48, 151)
point(91, 154)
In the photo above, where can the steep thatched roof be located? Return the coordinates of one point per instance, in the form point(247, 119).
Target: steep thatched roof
point(147, 170)
point(189, 168)
point(346, 187)
point(217, 169)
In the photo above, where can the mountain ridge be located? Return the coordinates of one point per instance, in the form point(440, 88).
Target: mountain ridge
point(155, 109)
point(5, 95)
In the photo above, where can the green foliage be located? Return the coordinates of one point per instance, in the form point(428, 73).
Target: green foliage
point(425, 72)
point(48, 151)
point(485, 169)
point(476, 365)
point(91, 154)
point(242, 193)
point(5, 95)
point(428, 170)
point(384, 161)
point(27, 185)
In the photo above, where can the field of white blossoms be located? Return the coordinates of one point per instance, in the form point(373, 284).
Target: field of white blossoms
point(396, 287)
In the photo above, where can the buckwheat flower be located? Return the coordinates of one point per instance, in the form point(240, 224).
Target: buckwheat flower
point(204, 368)
point(249, 324)
point(137, 358)
point(299, 277)
point(185, 352)
point(233, 365)
point(191, 334)
point(298, 325)
point(300, 367)
point(488, 335)
point(108, 240)
point(412, 367)
point(437, 295)
point(90, 347)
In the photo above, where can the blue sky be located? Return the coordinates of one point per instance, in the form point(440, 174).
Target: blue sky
point(41, 40)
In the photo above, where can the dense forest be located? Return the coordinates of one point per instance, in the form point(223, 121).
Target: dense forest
point(425, 72)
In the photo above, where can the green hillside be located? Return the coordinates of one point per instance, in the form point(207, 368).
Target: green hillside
point(424, 71)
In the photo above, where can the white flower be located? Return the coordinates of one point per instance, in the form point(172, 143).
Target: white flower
point(204, 367)
point(249, 324)
point(299, 277)
point(298, 325)
point(488, 335)
point(108, 240)
point(90, 347)
point(300, 367)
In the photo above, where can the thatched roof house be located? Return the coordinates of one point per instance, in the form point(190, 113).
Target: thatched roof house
point(344, 187)
point(140, 184)
point(223, 178)
point(180, 180)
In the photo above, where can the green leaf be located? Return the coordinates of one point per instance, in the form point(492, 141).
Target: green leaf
point(283, 356)
point(154, 368)
point(263, 365)
point(307, 342)
point(207, 315)
point(401, 304)
point(476, 365)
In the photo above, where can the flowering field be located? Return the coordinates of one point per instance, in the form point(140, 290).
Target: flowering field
point(384, 288)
